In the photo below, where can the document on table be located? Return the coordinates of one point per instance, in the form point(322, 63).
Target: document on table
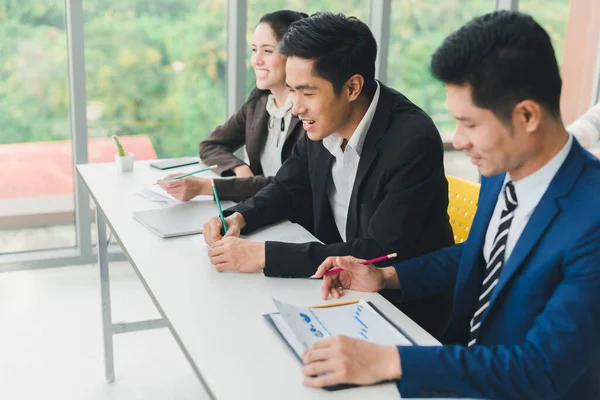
point(303, 326)
point(284, 231)
point(157, 193)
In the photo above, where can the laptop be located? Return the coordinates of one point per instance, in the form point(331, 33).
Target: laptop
point(181, 219)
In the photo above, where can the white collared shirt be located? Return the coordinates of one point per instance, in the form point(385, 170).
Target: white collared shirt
point(345, 166)
point(529, 192)
point(270, 157)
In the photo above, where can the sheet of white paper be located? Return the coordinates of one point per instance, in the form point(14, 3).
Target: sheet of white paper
point(284, 231)
point(157, 193)
point(302, 323)
point(358, 321)
point(286, 332)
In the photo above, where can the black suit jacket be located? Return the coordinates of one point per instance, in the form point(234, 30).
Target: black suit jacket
point(398, 202)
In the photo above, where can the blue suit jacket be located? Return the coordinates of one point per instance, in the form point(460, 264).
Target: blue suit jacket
point(540, 336)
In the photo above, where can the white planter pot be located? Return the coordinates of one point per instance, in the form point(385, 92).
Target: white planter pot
point(125, 164)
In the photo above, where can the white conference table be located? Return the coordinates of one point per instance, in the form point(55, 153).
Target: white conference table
point(216, 318)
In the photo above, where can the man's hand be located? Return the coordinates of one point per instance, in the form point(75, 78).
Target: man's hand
point(355, 276)
point(235, 254)
point(340, 359)
point(185, 189)
point(212, 228)
point(243, 171)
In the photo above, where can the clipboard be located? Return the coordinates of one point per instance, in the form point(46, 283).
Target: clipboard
point(295, 348)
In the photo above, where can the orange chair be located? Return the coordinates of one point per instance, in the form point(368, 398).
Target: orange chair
point(462, 196)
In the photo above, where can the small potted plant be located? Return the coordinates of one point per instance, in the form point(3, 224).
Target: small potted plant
point(124, 161)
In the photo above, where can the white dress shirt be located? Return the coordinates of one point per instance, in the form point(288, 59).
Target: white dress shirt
point(345, 165)
point(270, 158)
point(529, 192)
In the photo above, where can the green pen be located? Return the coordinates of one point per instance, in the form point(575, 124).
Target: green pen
point(212, 182)
point(173, 178)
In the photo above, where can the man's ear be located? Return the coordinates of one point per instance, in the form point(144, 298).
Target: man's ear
point(528, 114)
point(354, 86)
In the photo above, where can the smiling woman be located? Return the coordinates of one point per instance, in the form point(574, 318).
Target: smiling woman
point(264, 124)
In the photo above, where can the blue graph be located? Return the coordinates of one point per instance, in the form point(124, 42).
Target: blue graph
point(364, 329)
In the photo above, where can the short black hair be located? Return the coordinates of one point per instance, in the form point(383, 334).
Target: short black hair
point(505, 57)
point(281, 20)
point(341, 47)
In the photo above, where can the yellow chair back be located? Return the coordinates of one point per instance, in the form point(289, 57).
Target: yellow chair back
point(462, 205)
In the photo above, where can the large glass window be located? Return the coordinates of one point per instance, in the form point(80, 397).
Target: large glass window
point(155, 73)
point(155, 76)
point(417, 28)
point(36, 175)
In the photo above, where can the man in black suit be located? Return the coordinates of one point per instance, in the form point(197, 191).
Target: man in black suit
point(370, 165)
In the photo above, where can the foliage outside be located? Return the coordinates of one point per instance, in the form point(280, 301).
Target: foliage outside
point(159, 66)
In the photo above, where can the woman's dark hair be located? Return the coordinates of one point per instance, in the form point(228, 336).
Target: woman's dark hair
point(279, 21)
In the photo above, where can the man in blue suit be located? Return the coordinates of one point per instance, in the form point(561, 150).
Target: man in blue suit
point(526, 315)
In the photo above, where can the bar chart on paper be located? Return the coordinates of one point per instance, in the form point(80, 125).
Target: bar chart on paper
point(359, 321)
point(364, 329)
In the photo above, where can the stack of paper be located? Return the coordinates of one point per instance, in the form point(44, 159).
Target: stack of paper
point(157, 193)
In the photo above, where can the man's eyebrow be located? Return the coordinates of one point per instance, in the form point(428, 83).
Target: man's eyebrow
point(301, 87)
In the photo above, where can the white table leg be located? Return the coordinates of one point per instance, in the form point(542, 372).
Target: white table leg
point(109, 365)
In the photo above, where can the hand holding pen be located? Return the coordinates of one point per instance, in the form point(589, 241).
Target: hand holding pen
point(355, 274)
point(219, 208)
point(213, 231)
point(365, 262)
point(185, 187)
point(181, 176)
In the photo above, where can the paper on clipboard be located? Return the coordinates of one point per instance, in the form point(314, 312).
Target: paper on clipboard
point(305, 325)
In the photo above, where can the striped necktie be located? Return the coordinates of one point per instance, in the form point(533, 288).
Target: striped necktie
point(496, 260)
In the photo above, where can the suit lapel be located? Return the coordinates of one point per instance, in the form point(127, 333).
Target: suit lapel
point(485, 208)
point(323, 163)
point(469, 282)
point(257, 135)
point(369, 154)
point(543, 215)
point(293, 122)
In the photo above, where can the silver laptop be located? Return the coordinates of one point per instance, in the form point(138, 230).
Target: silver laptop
point(181, 219)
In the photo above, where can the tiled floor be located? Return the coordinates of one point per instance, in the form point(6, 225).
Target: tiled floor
point(51, 341)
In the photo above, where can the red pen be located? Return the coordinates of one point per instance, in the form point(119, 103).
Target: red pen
point(371, 261)
point(374, 260)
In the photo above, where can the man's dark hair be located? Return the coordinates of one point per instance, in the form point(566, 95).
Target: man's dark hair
point(505, 57)
point(340, 47)
point(281, 20)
